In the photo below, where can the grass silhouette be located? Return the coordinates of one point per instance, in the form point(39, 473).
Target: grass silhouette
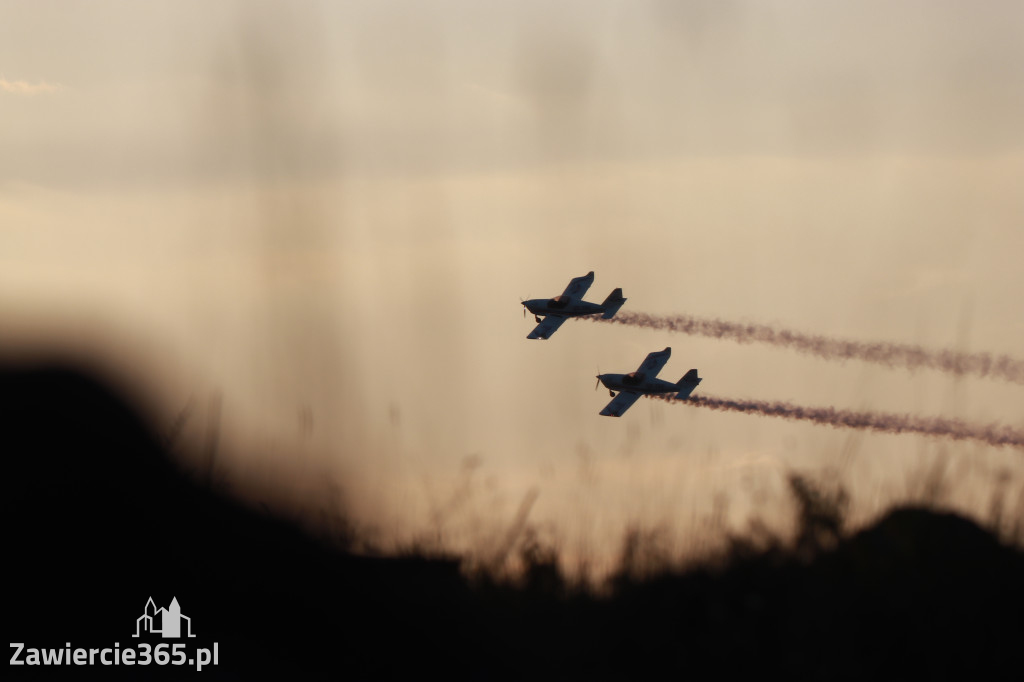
point(98, 519)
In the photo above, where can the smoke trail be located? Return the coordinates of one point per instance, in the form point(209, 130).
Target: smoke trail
point(957, 429)
point(881, 352)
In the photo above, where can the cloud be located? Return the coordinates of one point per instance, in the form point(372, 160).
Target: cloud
point(24, 88)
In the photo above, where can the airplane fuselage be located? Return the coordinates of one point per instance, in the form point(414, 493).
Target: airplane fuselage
point(552, 306)
point(632, 383)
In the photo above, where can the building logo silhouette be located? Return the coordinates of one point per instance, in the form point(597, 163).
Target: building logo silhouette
point(167, 622)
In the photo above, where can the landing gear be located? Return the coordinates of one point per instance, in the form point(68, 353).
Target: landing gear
point(536, 317)
point(611, 393)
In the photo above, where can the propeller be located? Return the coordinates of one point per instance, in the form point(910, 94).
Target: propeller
point(598, 377)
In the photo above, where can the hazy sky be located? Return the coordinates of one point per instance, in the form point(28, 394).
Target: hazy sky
point(326, 213)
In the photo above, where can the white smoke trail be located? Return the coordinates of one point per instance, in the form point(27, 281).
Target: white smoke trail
point(882, 352)
point(943, 427)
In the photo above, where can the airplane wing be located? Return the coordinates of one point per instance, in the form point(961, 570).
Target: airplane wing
point(578, 286)
point(653, 363)
point(546, 328)
point(619, 404)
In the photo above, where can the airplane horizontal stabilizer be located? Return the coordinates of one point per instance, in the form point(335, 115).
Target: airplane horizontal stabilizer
point(687, 384)
point(612, 304)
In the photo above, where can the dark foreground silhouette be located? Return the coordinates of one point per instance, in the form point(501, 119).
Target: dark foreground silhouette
point(98, 520)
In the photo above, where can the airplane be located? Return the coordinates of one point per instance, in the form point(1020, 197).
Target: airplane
point(569, 304)
point(644, 381)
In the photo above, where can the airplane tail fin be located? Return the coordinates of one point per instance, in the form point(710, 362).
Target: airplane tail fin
point(612, 304)
point(686, 385)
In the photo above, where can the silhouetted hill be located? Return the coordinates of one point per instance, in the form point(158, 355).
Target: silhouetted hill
point(98, 520)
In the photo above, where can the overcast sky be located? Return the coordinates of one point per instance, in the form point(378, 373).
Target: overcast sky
point(326, 213)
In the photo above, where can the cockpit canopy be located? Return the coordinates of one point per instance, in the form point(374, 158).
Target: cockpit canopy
point(633, 378)
point(559, 301)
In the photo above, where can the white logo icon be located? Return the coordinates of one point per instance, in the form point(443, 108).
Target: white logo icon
point(165, 621)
